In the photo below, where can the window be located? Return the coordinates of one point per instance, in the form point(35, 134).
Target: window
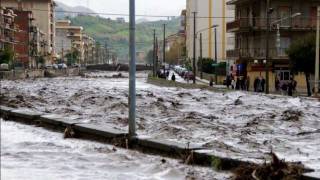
point(284, 12)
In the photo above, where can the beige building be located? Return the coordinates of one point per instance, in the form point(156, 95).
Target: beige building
point(208, 13)
point(249, 28)
point(7, 28)
point(89, 49)
point(43, 11)
point(69, 38)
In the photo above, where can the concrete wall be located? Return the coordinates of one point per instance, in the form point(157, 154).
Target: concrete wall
point(22, 74)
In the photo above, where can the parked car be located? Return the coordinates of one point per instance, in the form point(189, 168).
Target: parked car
point(62, 66)
point(4, 67)
point(55, 66)
point(76, 65)
point(48, 66)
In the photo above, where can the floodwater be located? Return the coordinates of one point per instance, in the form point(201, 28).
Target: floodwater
point(233, 124)
point(34, 153)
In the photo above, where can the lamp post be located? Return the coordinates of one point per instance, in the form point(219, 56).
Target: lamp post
point(316, 79)
point(268, 13)
point(215, 55)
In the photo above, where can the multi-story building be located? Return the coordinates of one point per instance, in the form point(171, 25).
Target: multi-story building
point(89, 45)
point(7, 29)
point(250, 27)
point(68, 39)
point(43, 11)
point(208, 13)
point(23, 49)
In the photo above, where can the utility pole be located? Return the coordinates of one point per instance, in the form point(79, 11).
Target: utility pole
point(132, 72)
point(62, 52)
point(215, 54)
point(201, 73)
point(164, 49)
point(157, 57)
point(316, 85)
point(154, 53)
point(194, 47)
point(267, 46)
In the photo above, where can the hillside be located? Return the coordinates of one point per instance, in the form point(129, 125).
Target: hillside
point(62, 10)
point(116, 34)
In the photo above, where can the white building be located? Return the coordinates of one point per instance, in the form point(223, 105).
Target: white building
point(209, 13)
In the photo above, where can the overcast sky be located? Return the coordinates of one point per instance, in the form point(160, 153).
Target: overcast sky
point(143, 7)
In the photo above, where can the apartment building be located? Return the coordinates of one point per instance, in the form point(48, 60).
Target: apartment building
point(89, 49)
point(68, 39)
point(23, 21)
point(43, 10)
point(208, 13)
point(7, 29)
point(249, 28)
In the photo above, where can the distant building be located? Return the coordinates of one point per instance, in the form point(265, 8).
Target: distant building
point(89, 49)
point(7, 28)
point(140, 57)
point(120, 20)
point(23, 37)
point(43, 11)
point(68, 39)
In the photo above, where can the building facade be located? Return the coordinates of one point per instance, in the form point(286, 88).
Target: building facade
point(249, 28)
point(43, 10)
point(208, 13)
point(7, 28)
point(68, 39)
point(23, 37)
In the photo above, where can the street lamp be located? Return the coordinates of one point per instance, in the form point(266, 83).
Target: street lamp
point(268, 13)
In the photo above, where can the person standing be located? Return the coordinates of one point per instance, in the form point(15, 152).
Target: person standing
point(255, 84)
point(263, 83)
point(290, 87)
point(173, 77)
point(233, 84)
point(247, 83)
point(211, 82)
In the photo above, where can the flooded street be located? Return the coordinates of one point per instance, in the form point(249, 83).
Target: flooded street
point(233, 124)
point(33, 153)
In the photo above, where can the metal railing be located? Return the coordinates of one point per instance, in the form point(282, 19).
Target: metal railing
point(258, 53)
point(297, 23)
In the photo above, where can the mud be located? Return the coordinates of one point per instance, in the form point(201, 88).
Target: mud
point(234, 124)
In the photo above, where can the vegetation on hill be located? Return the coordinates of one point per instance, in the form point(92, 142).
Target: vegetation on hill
point(116, 34)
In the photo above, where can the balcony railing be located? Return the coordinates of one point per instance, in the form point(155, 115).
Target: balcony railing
point(297, 23)
point(257, 53)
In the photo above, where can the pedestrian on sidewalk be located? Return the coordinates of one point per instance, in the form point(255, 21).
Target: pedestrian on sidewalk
point(211, 81)
point(247, 83)
point(233, 84)
point(173, 77)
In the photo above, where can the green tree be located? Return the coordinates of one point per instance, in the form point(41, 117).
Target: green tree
point(149, 57)
point(6, 56)
point(302, 57)
point(72, 57)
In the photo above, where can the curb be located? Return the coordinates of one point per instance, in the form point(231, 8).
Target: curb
point(109, 135)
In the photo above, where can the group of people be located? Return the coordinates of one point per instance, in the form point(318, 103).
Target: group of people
point(239, 83)
point(259, 84)
point(288, 87)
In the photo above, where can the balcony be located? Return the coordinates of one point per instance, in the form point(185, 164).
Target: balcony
point(297, 23)
point(257, 53)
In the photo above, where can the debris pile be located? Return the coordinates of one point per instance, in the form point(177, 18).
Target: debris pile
point(277, 170)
